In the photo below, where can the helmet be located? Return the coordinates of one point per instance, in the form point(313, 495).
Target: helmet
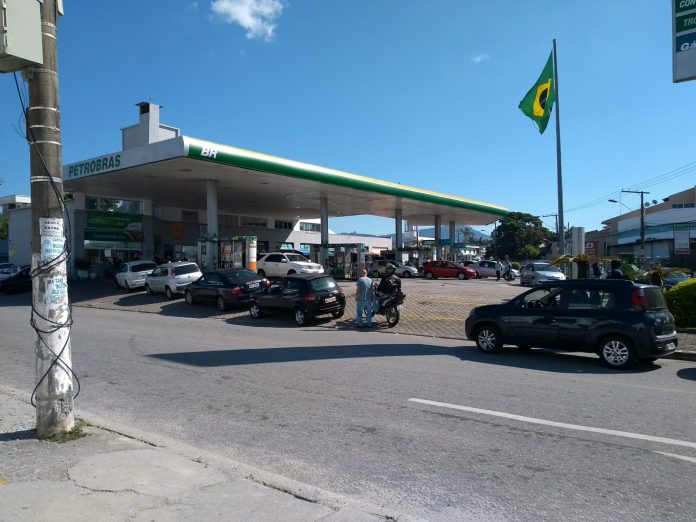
point(389, 269)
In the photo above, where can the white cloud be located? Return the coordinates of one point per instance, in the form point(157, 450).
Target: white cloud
point(256, 16)
point(479, 58)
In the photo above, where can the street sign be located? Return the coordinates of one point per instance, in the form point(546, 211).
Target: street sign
point(683, 40)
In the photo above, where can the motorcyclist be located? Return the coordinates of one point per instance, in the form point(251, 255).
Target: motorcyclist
point(390, 283)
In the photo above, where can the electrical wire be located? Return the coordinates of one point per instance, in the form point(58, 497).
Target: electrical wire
point(46, 268)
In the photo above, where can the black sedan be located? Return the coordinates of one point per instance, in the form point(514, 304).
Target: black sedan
point(303, 295)
point(225, 288)
point(20, 281)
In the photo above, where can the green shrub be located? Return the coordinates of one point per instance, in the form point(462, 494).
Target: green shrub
point(515, 265)
point(681, 300)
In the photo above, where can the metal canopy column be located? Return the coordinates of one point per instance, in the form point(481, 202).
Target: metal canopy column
point(398, 240)
point(451, 240)
point(324, 226)
point(212, 220)
point(438, 239)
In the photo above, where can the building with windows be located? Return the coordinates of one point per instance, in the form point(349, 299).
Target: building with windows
point(670, 232)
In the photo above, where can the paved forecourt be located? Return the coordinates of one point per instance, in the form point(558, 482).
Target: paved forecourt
point(436, 308)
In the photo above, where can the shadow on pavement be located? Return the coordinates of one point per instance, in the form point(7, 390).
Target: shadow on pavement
point(687, 373)
point(18, 435)
point(539, 360)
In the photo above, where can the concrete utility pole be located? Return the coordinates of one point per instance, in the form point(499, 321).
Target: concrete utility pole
point(642, 223)
point(50, 310)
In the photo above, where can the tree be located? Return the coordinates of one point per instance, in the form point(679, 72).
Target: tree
point(4, 224)
point(517, 231)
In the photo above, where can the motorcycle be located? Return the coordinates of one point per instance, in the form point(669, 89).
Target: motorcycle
point(389, 305)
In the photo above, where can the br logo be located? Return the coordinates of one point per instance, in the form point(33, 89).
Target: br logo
point(542, 95)
point(209, 153)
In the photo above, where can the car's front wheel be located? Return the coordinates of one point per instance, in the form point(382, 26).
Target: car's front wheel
point(406, 275)
point(462, 276)
point(168, 292)
point(617, 352)
point(148, 290)
point(188, 296)
point(336, 314)
point(301, 315)
point(255, 311)
point(128, 287)
point(488, 339)
point(261, 272)
point(429, 275)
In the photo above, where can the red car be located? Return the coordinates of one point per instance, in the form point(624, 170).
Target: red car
point(435, 269)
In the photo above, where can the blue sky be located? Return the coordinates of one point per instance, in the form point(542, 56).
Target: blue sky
point(419, 92)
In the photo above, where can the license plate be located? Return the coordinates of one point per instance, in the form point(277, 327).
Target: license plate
point(670, 346)
point(253, 285)
point(329, 299)
point(399, 307)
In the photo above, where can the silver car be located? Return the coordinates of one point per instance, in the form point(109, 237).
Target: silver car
point(540, 272)
point(131, 274)
point(378, 269)
point(172, 278)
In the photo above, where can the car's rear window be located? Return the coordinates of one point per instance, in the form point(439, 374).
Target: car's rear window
point(656, 300)
point(143, 267)
point(240, 275)
point(185, 269)
point(323, 283)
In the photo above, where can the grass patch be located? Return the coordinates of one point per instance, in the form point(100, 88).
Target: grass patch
point(74, 434)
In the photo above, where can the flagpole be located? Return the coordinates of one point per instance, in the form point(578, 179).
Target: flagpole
point(561, 227)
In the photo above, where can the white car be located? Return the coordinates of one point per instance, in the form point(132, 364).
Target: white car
point(540, 272)
point(172, 278)
point(278, 264)
point(378, 269)
point(132, 274)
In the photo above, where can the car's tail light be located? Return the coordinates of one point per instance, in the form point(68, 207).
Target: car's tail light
point(267, 283)
point(340, 292)
point(639, 299)
point(310, 297)
point(236, 291)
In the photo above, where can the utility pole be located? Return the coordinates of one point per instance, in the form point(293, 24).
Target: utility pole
point(50, 308)
point(642, 224)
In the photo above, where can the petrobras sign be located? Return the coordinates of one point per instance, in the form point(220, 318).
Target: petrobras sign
point(683, 40)
point(92, 166)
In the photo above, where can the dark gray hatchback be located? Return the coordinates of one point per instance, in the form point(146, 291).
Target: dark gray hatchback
point(622, 321)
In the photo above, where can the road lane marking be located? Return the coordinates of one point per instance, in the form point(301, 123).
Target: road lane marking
point(578, 427)
point(674, 455)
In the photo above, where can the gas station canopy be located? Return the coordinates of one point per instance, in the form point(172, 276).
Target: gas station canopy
point(174, 173)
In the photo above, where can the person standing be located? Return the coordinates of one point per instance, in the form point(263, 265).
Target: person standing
point(498, 268)
point(363, 299)
point(615, 272)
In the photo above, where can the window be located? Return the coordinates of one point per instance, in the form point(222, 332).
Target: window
point(261, 247)
point(250, 221)
point(284, 246)
point(281, 224)
point(305, 248)
point(274, 258)
point(123, 206)
point(189, 216)
point(310, 227)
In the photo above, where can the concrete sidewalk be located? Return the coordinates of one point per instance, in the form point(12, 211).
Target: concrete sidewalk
point(113, 475)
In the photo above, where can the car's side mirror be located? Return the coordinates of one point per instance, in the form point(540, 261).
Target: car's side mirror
point(283, 260)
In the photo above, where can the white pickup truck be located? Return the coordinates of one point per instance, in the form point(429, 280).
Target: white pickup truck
point(278, 264)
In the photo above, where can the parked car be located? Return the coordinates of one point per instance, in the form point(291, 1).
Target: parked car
point(485, 268)
point(435, 269)
point(9, 269)
point(18, 281)
point(172, 278)
point(622, 321)
point(378, 269)
point(674, 278)
point(278, 264)
point(225, 288)
point(305, 296)
point(540, 272)
point(131, 274)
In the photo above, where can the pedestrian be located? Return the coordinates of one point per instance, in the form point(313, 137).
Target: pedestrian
point(498, 268)
point(507, 266)
point(596, 270)
point(615, 273)
point(363, 299)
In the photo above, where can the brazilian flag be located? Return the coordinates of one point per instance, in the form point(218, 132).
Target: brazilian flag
point(539, 100)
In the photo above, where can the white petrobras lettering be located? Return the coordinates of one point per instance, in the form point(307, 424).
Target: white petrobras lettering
point(687, 3)
point(208, 152)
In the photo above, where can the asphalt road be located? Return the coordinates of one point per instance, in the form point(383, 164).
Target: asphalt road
point(334, 408)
